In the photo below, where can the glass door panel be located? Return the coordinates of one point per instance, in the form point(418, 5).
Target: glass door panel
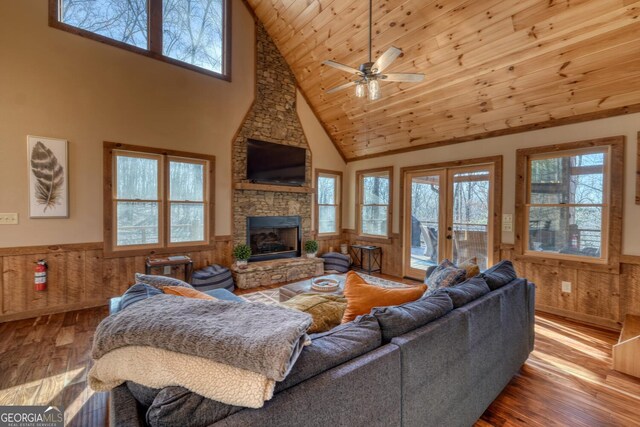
point(423, 211)
point(469, 218)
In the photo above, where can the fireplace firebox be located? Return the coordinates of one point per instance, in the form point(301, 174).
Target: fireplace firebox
point(273, 237)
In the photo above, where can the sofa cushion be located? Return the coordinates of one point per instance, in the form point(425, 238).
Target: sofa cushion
point(143, 394)
point(398, 320)
point(336, 262)
point(179, 406)
point(326, 310)
point(333, 348)
point(362, 297)
point(212, 277)
point(444, 275)
point(160, 281)
point(136, 293)
point(467, 291)
point(181, 291)
point(224, 295)
point(499, 275)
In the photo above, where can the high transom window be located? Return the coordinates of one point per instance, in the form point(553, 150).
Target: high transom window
point(191, 33)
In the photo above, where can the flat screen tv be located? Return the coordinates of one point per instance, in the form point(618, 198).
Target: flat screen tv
point(271, 163)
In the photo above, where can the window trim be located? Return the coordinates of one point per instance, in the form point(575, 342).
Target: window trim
point(612, 198)
point(154, 39)
point(359, 196)
point(164, 246)
point(338, 205)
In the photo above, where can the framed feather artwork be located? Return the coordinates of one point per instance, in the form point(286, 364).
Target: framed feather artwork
point(48, 177)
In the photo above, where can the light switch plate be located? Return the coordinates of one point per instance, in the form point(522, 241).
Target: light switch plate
point(507, 226)
point(8, 218)
point(566, 287)
point(167, 269)
point(507, 219)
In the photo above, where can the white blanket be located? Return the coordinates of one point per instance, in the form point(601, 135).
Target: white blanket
point(158, 368)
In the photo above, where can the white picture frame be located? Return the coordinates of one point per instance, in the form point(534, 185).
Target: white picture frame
point(48, 166)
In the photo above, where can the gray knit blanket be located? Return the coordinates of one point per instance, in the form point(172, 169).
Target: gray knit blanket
point(265, 339)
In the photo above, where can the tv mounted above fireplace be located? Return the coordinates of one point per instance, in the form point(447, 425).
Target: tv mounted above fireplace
point(270, 163)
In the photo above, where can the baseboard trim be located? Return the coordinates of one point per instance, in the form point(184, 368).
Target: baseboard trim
point(582, 318)
point(31, 314)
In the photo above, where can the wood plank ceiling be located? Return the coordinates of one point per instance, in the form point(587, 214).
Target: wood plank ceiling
point(492, 66)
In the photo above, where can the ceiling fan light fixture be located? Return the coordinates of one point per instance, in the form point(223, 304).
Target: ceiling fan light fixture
point(361, 90)
point(374, 89)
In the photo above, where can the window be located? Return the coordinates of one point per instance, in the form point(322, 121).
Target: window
point(159, 200)
point(328, 197)
point(374, 200)
point(568, 196)
point(191, 33)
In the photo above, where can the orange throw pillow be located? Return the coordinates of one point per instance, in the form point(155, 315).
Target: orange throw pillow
point(183, 291)
point(362, 297)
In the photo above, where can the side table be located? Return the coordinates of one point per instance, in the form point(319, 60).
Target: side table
point(170, 261)
point(372, 255)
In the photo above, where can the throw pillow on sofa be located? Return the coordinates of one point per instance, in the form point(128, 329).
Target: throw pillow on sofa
point(136, 293)
point(499, 275)
point(160, 281)
point(362, 297)
point(467, 291)
point(326, 310)
point(334, 261)
point(470, 266)
point(446, 274)
point(181, 291)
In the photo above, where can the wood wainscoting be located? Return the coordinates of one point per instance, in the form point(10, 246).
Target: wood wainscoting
point(600, 298)
point(79, 276)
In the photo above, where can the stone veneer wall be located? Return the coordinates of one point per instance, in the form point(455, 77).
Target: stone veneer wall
point(273, 117)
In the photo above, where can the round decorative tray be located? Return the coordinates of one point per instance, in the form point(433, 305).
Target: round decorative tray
point(324, 285)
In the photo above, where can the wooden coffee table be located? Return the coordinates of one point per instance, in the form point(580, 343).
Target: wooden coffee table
point(304, 287)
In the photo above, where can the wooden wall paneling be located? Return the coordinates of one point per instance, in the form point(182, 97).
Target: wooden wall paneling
point(79, 276)
point(598, 294)
point(638, 171)
point(630, 289)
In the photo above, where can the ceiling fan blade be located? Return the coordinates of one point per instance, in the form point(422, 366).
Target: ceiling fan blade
point(342, 67)
point(385, 59)
point(403, 77)
point(344, 86)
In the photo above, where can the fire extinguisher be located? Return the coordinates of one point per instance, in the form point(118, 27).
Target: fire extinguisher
point(40, 273)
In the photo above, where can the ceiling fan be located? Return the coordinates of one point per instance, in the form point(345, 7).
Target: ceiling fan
point(369, 74)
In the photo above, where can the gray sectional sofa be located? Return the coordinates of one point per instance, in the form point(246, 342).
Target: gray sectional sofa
point(435, 363)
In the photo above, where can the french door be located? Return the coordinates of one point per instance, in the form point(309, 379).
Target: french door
point(448, 213)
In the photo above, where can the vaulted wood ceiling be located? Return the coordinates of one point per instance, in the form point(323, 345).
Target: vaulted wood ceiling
point(492, 66)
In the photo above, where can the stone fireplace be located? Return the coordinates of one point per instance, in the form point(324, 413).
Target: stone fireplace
point(273, 237)
point(273, 117)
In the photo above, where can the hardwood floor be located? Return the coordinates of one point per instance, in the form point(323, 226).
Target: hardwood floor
point(567, 381)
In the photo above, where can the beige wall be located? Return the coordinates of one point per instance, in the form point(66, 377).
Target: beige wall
point(627, 125)
point(56, 84)
point(325, 155)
